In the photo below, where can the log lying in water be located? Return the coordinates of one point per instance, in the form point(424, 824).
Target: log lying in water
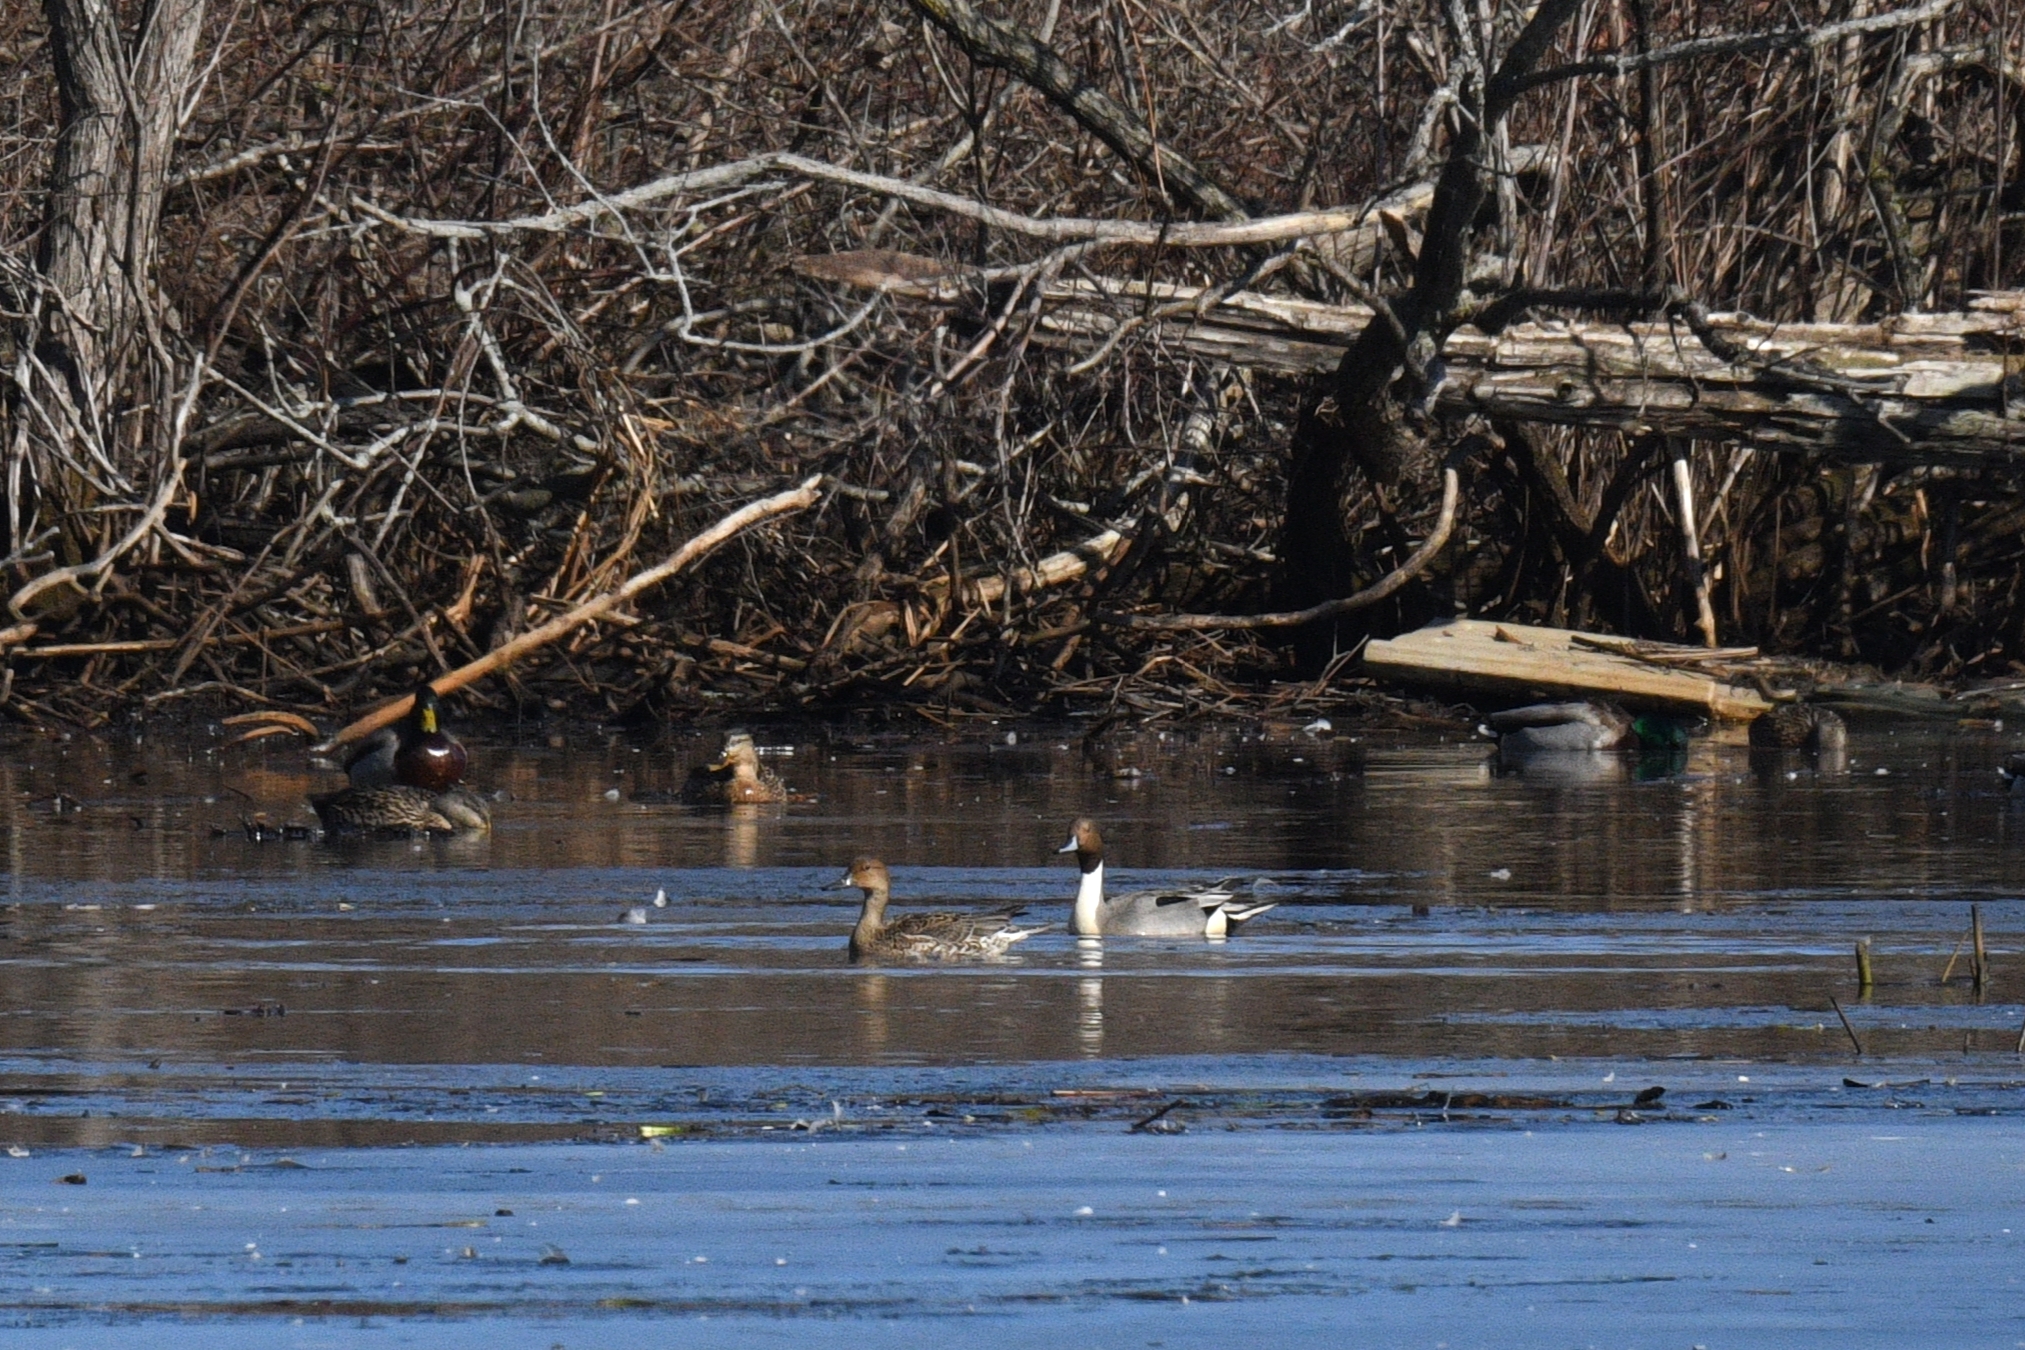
point(1914, 388)
point(1517, 662)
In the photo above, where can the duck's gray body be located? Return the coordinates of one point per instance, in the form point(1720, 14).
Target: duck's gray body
point(372, 764)
point(1211, 912)
point(1548, 728)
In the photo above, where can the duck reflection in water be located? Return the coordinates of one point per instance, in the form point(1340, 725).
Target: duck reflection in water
point(1588, 741)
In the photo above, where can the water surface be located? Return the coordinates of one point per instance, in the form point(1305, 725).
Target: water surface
point(210, 1028)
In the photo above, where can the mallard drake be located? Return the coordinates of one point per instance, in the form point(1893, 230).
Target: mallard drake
point(1589, 724)
point(401, 810)
point(414, 752)
point(1208, 913)
point(1799, 726)
point(921, 937)
point(736, 779)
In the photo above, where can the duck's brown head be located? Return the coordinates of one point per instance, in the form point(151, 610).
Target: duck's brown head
point(867, 873)
point(1086, 844)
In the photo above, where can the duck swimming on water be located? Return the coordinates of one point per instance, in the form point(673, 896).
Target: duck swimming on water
point(1585, 725)
point(406, 779)
point(1799, 726)
point(736, 779)
point(416, 751)
point(921, 937)
point(1209, 913)
point(400, 809)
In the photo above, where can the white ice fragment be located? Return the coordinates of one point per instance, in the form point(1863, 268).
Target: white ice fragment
point(611, 794)
point(1454, 1220)
point(1500, 874)
point(660, 899)
point(1084, 1212)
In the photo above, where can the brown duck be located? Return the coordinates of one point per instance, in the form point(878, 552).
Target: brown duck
point(736, 779)
point(921, 937)
point(1799, 726)
point(401, 810)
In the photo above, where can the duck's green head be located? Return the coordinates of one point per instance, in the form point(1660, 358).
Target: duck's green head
point(1662, 734)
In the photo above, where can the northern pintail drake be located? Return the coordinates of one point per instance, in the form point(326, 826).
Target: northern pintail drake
point(736, 779)
point(1590, 724)
point(401, 810)
point(921, 937)
point(1799, 726)
point(1209, 913)
point(415, 752)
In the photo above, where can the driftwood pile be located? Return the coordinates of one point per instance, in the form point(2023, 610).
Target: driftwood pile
point(1147, 357)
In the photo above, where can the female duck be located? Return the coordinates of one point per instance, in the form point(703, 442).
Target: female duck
point(921, 937)
point(1800, 726)
point(1211, 913)
point(736, 779)
point(401, 810)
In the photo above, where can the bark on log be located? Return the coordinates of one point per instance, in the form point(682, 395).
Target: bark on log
point(1914, 388)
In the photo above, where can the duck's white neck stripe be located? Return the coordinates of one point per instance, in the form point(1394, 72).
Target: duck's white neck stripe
point(1089, 896)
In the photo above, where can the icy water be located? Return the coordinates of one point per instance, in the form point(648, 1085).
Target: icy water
point(291, 1092)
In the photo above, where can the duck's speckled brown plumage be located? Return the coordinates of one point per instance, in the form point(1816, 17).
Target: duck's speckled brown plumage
point(401, 810)
point(921, 937)
point(736, 779)
point(1799, 726)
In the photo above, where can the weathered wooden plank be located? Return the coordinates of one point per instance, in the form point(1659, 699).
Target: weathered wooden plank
point(1517, 663)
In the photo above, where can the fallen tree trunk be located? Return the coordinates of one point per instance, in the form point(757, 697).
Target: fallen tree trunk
point(1915, 388)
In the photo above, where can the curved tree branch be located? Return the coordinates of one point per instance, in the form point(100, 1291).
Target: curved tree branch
point(1430, 547)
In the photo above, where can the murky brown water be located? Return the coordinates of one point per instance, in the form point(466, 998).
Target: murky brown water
point(163, 984)
point(1710, 913)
